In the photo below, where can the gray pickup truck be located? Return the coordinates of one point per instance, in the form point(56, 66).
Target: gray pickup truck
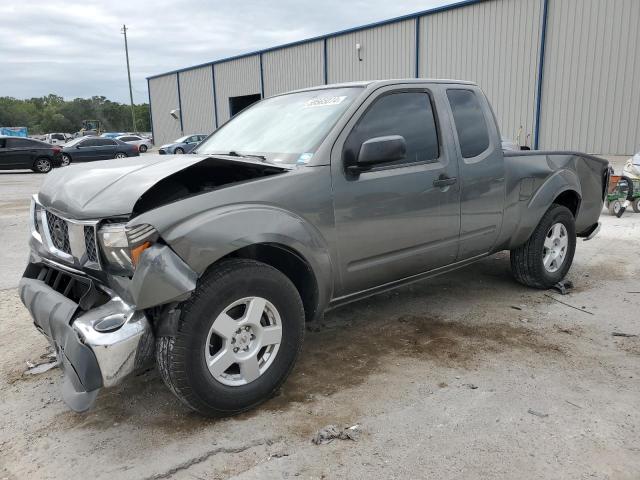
point(210, 264)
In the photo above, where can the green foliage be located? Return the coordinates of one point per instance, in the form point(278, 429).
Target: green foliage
point(54, 114)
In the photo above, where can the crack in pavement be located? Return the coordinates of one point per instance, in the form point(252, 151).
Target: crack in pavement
point(205, 456)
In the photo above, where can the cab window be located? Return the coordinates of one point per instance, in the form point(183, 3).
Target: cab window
point(471, 125)
point(409, 114)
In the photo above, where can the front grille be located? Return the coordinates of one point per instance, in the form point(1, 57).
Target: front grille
point(90, 243)
point(74, 288)
point(59, 232)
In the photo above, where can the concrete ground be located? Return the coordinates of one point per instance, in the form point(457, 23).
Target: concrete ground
point(465, 376)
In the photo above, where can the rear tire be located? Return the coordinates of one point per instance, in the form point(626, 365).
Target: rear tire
point(193, 362)
point(546, 257)
point(143, 148)
point(636, 205)
point(121, 155)
point(42, 165)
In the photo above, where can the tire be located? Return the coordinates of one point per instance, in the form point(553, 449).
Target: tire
point(182, 359)
point(178, 151)
point(66, 160)
point(143, 148)
point(121, 155)
point(42, 165)
point(614, 207)
point(636, 205)
point(528, 261)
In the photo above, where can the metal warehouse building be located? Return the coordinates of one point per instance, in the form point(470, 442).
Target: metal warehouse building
point(561, 74)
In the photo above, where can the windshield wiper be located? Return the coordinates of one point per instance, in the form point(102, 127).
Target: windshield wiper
point(233, 153)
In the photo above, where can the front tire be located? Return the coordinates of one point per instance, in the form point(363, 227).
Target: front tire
point(178, 151)
point(237, 339)
point(636, 205)
point(66, 160)
point(546, 257)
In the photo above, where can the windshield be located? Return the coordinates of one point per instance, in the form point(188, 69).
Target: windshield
point(287, 128)
point(181, 139)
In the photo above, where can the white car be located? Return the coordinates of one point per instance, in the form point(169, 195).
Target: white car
point(57, 138)
point(143, 144)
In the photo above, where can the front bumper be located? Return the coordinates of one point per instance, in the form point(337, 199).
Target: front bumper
point(96, 347)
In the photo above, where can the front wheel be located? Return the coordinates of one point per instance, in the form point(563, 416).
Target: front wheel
point(237, 339)
point(178, 151)
point(66, 160)
point(636, 205)
point(546, 257)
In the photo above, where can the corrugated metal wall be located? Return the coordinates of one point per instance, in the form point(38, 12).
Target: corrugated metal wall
point(495, 44)
point(591, 88)
point(292, 68)
point(196, 95)
point(387, 51)
point(233, 78)
point(164, 94)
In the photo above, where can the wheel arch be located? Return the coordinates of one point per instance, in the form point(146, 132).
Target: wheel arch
point(292, 264)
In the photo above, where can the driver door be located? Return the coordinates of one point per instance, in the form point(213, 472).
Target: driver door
point(396, 219)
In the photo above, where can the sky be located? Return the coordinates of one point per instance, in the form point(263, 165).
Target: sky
point(75, 48)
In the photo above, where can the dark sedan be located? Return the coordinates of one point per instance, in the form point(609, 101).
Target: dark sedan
point(88, 149)
point(19, 152)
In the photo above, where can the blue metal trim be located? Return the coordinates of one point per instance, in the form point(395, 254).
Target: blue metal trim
point(324, 60)
point(261, 78)
point(417, 47)
point(150, 113)
point(215, 101)
point(180, 103)
point(410, 16)
point(543, 42)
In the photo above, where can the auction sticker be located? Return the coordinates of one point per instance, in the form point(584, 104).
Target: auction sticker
point(324, 101)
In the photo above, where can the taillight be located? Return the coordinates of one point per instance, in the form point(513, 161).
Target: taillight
point(56, 150)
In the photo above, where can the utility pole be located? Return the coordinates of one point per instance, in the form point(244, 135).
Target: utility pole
point(126, 51)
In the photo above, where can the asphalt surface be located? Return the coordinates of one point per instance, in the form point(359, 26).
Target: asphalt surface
point(465, 376)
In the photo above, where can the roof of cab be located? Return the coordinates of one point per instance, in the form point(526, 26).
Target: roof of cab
point(382, 83)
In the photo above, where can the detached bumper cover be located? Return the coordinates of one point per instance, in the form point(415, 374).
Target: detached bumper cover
point(96, 348)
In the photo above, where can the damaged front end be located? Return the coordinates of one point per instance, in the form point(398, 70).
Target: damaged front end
point(89, 286)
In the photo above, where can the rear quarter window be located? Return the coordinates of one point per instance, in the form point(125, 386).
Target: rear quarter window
point(470, 123)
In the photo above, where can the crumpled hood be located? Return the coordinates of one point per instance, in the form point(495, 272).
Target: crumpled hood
point(107, 188)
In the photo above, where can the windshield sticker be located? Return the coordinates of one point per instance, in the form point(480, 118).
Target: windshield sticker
point(304, 158)
point(324, 101)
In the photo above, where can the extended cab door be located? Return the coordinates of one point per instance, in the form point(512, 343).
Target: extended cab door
point(400, 218)
point(481, 162)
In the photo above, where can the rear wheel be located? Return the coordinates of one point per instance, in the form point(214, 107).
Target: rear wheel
point(178, 151)
point(237, 339)
point(121, 155)
point(636, 205)
point(42, 165)
point(143, 148)
point(546, 257)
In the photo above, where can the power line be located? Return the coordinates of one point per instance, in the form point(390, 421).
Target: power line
point(126, 51)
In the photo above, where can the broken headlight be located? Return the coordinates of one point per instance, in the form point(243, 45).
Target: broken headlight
point(122, 246)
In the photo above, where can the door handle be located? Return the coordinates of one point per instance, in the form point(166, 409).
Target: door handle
point(444, 181)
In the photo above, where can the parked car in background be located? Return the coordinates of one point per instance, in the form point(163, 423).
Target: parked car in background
point(57, 138)
point(18, 152)
point(112, 134)
point(87, 149)
point(182, 145)
point(143, 144)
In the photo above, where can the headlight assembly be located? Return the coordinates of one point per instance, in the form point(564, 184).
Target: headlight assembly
point(122, 246)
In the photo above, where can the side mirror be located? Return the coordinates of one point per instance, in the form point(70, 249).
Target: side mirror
point(380, 150)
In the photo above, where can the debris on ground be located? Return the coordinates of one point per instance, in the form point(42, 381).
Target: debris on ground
point(36, 369)
point(622, 334)
point(515, 307)
point(329, 433)
point(470, 385)
point(571, 403)
point(568, 331)
point(583, 310)
point(537, 414)
point(563, 287)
